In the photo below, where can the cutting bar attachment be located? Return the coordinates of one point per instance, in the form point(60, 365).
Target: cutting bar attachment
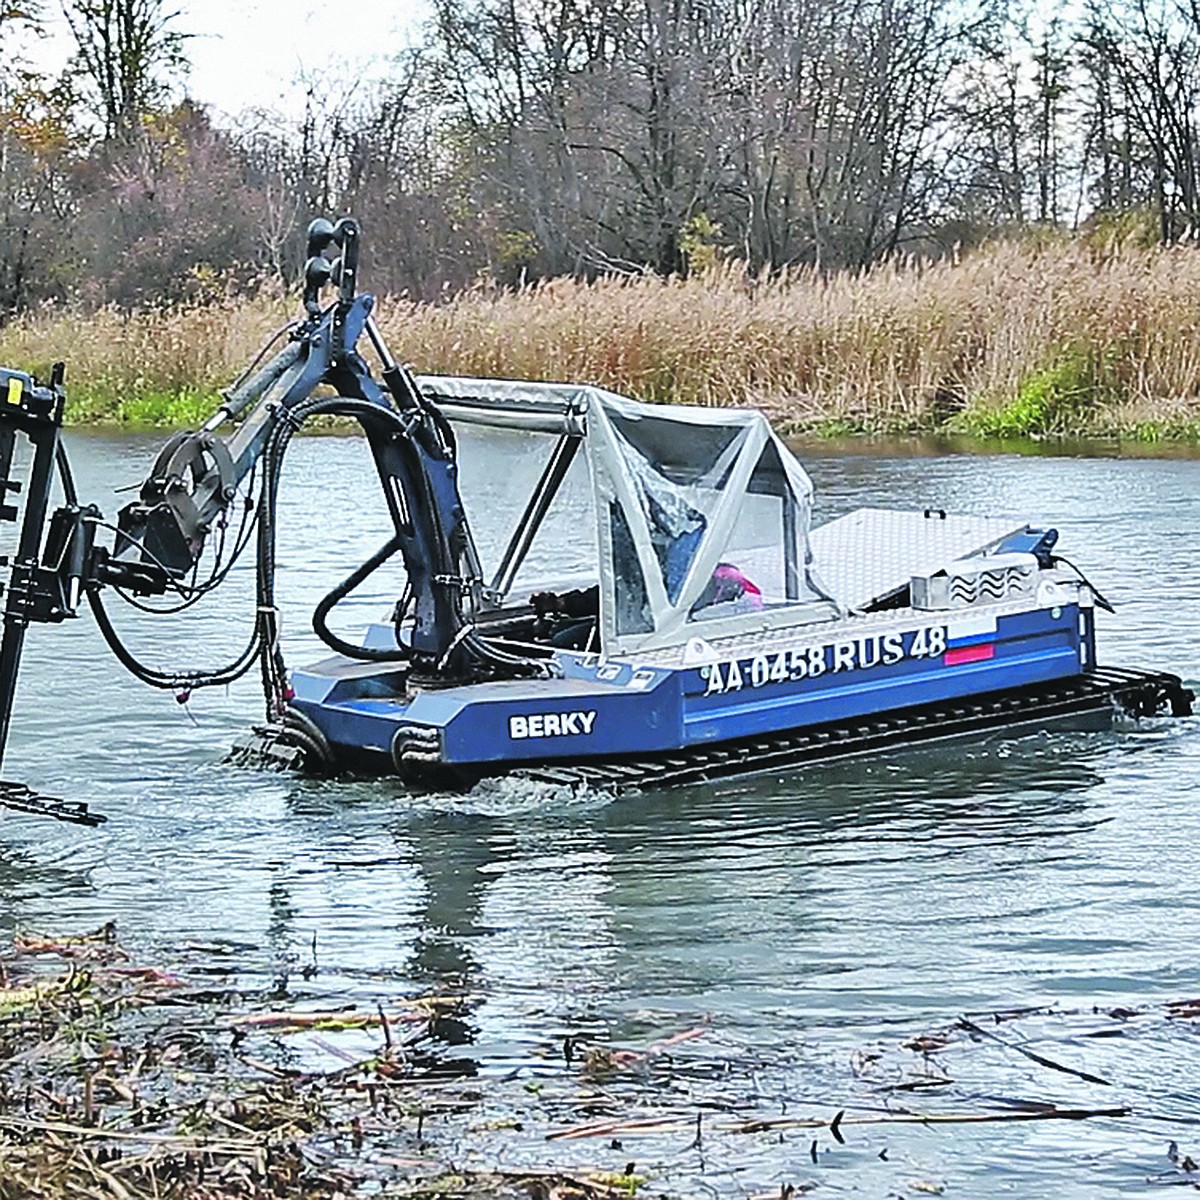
point(18, 798)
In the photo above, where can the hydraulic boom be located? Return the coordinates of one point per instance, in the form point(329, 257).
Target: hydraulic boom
point(161, 537)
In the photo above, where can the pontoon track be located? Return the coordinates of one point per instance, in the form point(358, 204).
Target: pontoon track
point(1104, 690)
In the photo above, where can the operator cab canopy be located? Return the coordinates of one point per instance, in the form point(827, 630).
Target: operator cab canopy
point(701, 515)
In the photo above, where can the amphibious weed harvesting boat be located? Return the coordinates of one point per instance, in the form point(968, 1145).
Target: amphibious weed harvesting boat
point(703, 629)
point(715, 633)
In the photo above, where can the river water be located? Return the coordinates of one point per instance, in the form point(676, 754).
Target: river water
point(812, 924)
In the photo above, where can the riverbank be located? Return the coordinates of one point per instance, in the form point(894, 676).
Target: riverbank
point(1026, 339)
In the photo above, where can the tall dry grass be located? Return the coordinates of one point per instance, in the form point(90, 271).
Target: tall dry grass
point(1049, 335)
point(144, 367)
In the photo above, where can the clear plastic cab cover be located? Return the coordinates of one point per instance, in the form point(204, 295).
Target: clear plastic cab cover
point(702, 515)
point(702, 521)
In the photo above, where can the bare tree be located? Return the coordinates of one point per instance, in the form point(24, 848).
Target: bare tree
point(1147, 52)
point(531, 138)
point(14, 13)
point(126, 50)
point(36, 199)
point(1051, 66)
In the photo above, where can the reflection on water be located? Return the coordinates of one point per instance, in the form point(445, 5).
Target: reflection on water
point(27, 877)
point(805, 915)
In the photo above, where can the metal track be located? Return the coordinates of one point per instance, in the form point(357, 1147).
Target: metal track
point(1107, 690)
point(19, 798)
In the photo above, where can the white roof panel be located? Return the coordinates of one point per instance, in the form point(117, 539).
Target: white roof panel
point(872, 553)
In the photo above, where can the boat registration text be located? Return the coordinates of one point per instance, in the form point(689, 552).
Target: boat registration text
point(808, 662)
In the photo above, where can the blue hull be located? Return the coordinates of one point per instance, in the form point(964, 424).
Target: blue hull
point(620, 708)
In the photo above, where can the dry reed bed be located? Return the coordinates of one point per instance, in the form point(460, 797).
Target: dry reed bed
point(903, 346)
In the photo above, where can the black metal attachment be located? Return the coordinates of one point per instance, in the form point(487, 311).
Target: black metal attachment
point(33, 411)
point(16, 797)
point(43, 585)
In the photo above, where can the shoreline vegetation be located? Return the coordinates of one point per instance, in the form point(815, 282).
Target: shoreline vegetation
point(1041, 337)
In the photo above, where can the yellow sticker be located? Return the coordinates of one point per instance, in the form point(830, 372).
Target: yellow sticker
point(15, 387)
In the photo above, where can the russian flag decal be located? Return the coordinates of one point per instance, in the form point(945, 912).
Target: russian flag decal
point(969, 640)
point(968, 654)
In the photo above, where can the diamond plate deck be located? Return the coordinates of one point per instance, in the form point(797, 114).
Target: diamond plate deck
point(872, 553)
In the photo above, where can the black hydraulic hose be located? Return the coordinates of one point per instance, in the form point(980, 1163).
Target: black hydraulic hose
point(274, 669)
point(172, 680)
point(264, 643)
point(65, 475)
point(339, 593)
point(485, 649)
point(1087, 583)
point(474, 643)
point(176, 680)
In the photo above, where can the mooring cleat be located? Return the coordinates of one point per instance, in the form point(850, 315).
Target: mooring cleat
point(18, 798)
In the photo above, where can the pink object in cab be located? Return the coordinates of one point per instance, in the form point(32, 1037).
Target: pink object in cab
point(732, 584)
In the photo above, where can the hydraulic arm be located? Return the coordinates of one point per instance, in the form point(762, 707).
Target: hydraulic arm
point(197, 479)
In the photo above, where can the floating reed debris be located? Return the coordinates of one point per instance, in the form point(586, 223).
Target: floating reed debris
point(835, 1124)
point(124, 1081)
point(423, 1009)
point(118, 1081)
point(121, 1082)
point(916, 1118)
point(1032, 1055)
